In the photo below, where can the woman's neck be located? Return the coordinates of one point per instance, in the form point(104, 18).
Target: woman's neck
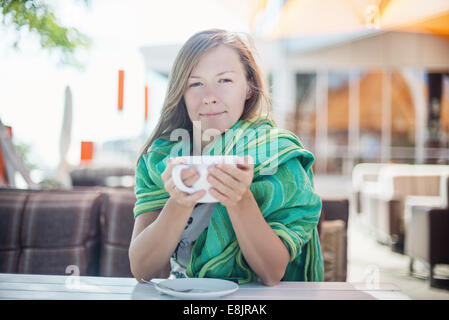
point(201, 146)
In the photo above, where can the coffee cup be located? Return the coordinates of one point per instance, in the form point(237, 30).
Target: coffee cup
point(201, 163)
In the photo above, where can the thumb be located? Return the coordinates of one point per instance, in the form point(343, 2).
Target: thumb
point(246, 161)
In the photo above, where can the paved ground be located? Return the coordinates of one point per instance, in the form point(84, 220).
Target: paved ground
point(368, 260)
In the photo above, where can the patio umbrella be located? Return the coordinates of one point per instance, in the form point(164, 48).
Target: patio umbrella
point(250, 11)
point(306, 17)
point(418, 16)
point(62, 171)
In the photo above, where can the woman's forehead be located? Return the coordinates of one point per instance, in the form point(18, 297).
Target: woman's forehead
point(216, 61)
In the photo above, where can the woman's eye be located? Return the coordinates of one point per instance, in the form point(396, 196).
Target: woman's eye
point(225, 80)
point(196, 84)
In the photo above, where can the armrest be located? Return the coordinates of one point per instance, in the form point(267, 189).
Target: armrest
point(427, 233)
point(439, 235)
point(417, 232)
point(336, 209)
point(427, 202)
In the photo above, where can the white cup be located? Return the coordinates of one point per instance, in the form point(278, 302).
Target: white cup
point(201, 163)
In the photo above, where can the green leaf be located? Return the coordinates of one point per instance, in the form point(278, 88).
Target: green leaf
point(39, 18)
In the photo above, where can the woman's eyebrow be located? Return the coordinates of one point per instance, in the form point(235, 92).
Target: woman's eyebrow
point(218, 74)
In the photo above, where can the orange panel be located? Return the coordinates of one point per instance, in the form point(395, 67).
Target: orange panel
point(121, 82)
point(87, 151)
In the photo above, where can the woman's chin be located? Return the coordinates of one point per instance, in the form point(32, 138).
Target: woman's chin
point(212, 132)
point(213, 128)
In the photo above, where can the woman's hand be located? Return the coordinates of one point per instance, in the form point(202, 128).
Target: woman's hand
point(188, 176)
point(230, 184)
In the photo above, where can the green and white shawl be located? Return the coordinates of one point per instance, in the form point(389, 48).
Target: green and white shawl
point(282, 187)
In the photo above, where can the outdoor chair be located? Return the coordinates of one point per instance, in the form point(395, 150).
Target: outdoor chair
point(385, 203)
point(332, 229)
point(364, 175)
point(427, 232)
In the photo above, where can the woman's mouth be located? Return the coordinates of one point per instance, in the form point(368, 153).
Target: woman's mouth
point(212, 115)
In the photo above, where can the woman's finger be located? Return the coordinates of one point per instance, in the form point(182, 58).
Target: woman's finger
point(232, 171)
point(169, 185)
point(223, 176)
point(246, 162)
point(192, 199)
point(191, 179)
point(188, 173)
point(227, 191)
point(171, 163)
point(219, 196)
point(177, 194)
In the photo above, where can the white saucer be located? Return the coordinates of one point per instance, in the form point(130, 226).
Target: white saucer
point(202, 288)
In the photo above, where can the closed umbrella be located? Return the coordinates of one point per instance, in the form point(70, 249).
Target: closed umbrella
point(62, 172)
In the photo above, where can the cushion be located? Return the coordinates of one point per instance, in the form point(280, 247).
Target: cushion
point(60, 219)
point(114, 261)
point(12, 204)
point(56, 261)
point(118, 216)
point(59, 229)
point(117, 227)
point(333, 249)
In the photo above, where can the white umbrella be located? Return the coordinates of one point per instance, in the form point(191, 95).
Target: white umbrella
point(62, 171)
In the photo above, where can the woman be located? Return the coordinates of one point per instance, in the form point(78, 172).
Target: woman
point(264, 225)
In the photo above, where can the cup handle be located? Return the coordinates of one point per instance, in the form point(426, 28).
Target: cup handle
point(176, 176)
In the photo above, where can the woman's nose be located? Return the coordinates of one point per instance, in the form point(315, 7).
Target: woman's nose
point(209, 100)
point(209, 97)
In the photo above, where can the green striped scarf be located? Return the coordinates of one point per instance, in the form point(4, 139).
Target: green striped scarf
point(282, 187)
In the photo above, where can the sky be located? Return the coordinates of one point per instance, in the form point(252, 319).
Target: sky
point(32, 82)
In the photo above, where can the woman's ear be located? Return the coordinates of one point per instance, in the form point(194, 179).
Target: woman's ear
point(249, 85)
point(249, 93)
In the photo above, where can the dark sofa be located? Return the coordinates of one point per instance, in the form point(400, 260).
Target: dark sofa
point(45, 232)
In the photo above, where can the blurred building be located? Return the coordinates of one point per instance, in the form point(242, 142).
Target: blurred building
point(367, 99)
point(355, 95)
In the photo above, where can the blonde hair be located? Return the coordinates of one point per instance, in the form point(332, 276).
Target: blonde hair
point(174, 112)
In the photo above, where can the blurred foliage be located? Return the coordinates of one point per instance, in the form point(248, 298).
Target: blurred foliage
point(24, 150)
point(49, 184)
point(39, 18)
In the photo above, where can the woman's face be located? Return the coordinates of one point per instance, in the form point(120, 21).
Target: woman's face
point(217, 90)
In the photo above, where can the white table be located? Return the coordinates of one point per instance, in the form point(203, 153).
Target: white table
point(25, 286)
